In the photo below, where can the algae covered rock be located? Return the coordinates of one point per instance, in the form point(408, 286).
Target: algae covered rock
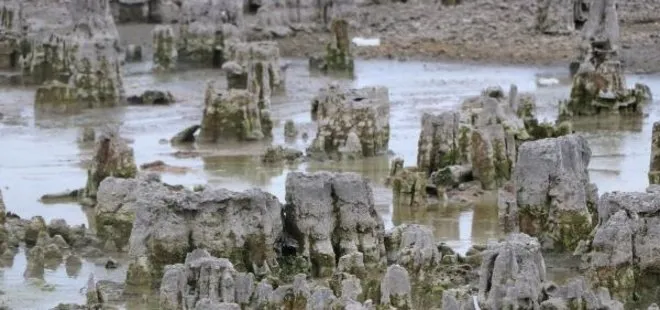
point(56, 97)
point(164, 48)
point(331, 215)
point(338, 56)
point(339, 112)
point(81, 49)
point(621, 255)
point(112, 157)
point(555, 198)
point(408, 184)
point(654, 167)
point(254, 66)
point(599, 85)
point(233, 115)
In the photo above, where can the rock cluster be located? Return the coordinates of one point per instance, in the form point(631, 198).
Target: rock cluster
point(479, 142)
point(351, 122)
point(76, 56)
point(513, 276)
point(205, 26)
point(599, 83)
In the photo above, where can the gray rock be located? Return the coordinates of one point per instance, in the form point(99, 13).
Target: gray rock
point(327, 211)
point(35, 263)
point(555, 198)
point(395, 288)
point(365, 112)
point(512, 274)
point(413, 247)
point(170, 221)
point(112, 157)
point(556, 17)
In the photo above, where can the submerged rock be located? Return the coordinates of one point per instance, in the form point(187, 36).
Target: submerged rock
point(278, 154)
point(338, 112)
point(556, 201)
point(233, 115)
point(185, 136)
point(152, 97)
point(113, 157)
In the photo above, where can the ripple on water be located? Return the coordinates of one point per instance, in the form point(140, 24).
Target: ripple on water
point(40, 154)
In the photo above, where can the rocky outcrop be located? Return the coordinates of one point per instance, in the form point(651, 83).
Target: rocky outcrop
point(205, 26)
point(170, 222)
point(339, 112)
point(164, 48)
point(484, 135)
point(112, 157)
point(621, 254)
point(233, 115)
point(331, 215)
point(654, 167)
point(4, 235)
point(80, 48)
point(599, 85)
point(338, 56)
point(278, 154)
point(555, 200)
point(513, 276)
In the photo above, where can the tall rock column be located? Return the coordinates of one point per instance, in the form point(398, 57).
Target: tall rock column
point(654, 168)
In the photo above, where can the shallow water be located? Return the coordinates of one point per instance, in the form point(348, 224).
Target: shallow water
point(40, 153)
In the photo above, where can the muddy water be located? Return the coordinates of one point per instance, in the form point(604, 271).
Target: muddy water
point(39, 153)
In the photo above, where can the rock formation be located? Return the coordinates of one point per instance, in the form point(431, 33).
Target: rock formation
point(513, 276)
point(480, 140)
point(337, 57)
point(599, 84)
point(234, 115)
point(112, 157)
point(205, 26)
point(621, 255)
point(80, 48)
point(331, 215)
point(164, 48)
point(339, 112)
point(254, 66)
point(555, 200)
point(171, 221)
point(654, 167)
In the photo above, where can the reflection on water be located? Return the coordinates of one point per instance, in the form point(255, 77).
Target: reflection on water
point(40, 153)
